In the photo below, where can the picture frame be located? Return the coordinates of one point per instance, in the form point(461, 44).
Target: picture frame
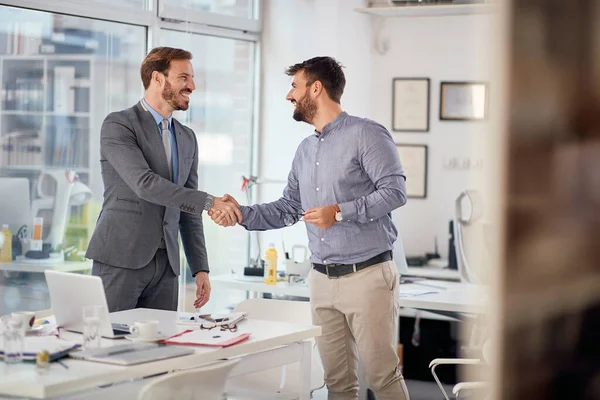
point(414, 162)
point(410, 104)
point(464, 101)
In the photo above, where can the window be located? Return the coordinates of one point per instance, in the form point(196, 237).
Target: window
point(221, 115)
point(233, 8)
point(64, 66)
point(61, 75)
point(126, 4)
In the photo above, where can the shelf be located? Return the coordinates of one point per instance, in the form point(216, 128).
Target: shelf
point(42, 168)
point(44, 113)
point(430, 10)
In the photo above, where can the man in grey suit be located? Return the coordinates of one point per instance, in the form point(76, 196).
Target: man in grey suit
point(149, 165)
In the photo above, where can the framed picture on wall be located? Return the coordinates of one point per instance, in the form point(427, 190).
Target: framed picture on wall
point(410, 105)
point(463, 101)
point(414, 162)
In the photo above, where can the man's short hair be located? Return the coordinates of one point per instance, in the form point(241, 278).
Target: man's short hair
point(327, 70)
point(159, 59)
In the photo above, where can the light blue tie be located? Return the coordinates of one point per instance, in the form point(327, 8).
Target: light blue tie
point(164, 125)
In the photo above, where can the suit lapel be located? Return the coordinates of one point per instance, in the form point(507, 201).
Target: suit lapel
point(150, 132)
point(180, 146)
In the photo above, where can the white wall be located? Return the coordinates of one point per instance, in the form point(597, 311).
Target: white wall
point(294, 31)
point(441, 48)
point(449, 48)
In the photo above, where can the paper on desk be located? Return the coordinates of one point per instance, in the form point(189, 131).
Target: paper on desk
point(55, 346)
point(418, 291)
point(212, 337)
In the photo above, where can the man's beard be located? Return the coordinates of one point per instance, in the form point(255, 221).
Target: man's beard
point(171, 97)
point(305, 110)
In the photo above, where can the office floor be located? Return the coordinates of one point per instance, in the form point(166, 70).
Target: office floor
point(418, 390)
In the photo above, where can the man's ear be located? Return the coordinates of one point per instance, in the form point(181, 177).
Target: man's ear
point(316, 88)
point(158, 78)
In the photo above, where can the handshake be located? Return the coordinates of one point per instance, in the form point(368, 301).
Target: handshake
point(225, 211)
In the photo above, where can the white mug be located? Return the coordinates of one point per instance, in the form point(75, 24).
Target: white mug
point(27, 318)
point(144, 329)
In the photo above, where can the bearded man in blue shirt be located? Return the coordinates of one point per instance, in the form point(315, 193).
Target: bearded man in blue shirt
point(348, 177)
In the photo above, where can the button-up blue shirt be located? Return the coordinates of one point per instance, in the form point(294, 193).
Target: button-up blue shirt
point(353, 163)
point(174, 158)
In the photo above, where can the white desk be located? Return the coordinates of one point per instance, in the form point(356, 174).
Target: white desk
point(271, 344)
point(449, 297)
point(42, 265)
point(434, 273)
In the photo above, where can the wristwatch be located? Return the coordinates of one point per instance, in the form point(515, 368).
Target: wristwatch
point(338, 213)
point(209, 202)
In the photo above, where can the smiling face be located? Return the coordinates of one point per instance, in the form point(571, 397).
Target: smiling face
point(305, 108)
point(179, 84)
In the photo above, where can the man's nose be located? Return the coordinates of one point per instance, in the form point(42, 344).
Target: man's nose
point(191, 85)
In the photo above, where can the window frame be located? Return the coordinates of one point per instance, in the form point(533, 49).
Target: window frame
point(160, 16)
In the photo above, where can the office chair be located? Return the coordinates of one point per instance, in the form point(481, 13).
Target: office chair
point(203, 383)
point(281, 381)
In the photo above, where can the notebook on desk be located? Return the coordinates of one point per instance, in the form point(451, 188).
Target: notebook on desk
point(213, 337)
point(34, 344)
point(132, 353)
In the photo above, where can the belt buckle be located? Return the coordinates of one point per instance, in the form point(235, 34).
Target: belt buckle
point(327, 272)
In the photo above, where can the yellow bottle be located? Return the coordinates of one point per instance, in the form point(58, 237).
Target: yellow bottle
point(271, 257)
point(6, 249)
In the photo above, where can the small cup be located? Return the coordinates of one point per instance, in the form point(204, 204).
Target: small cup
point(27, 318)
point(144, 329)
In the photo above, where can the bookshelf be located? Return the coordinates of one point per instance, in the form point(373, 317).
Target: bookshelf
point(45, 119)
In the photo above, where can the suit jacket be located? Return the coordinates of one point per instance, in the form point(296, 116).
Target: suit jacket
point(141, 204)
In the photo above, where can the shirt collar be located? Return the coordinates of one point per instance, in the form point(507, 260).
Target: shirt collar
point(157, 117)
point(337, 121)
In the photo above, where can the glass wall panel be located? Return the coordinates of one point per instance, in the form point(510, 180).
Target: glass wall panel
point(221, 115)
point(60, 76)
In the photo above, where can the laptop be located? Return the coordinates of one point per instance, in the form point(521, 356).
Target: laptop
point(132, 353)
point(69, 293)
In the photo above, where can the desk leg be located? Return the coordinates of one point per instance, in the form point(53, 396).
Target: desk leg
point(305, 366)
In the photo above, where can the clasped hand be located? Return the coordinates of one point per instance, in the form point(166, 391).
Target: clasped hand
point(225, 211)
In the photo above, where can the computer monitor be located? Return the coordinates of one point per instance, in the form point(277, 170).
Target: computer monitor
point(15, 204)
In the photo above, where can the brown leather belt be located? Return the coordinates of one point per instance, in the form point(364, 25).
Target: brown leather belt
point(337, 270)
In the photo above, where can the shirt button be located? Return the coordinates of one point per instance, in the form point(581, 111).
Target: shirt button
point(317, 189)
point(371, 219)
point(322, 239)
point(322, 140)
point(324, 261)
point(317, 163)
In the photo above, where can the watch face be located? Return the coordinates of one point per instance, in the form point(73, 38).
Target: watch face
point(338, 216)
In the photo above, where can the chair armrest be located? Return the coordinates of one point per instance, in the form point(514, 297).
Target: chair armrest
point(454, 361)
point(468, 386)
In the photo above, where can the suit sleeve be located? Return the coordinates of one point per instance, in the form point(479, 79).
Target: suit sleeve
point(191, 226)
point(119, 146)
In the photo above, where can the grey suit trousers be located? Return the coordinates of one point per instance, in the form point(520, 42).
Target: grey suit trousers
point(152, 286)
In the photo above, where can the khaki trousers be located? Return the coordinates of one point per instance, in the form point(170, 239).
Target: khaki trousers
point(358, 315)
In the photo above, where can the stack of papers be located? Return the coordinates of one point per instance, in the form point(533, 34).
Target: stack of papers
point(211, 319)
point(34, 344)
point(417, 291)
point(212, 337)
